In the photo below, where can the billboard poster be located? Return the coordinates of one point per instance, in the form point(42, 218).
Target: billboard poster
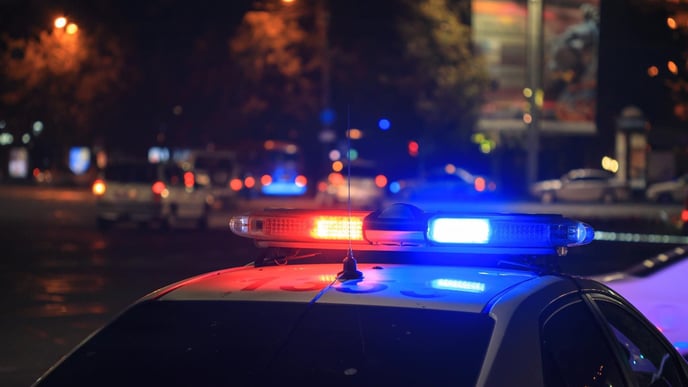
point(19, 163)
point(570, 34)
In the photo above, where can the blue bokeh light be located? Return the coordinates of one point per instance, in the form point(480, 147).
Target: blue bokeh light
point(327, 116)
point(384, 124)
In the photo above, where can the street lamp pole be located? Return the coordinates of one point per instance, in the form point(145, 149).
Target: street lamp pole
point(323, 20)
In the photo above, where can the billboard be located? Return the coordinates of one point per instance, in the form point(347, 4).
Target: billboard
point(19, 163)
point(570, 36)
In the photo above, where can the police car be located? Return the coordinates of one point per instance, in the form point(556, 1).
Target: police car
point(398, 296)
point(657, 287)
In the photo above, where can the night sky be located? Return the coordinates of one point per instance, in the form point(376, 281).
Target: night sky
point(160, 36)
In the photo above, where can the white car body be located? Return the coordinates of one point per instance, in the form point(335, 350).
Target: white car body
point(658, 288)
point(668, 191)
point(582, 185)
point(129, 196)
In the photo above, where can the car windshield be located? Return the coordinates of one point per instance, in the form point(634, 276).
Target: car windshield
point(222, 343)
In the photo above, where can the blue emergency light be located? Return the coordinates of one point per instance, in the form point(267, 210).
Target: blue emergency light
point(403, 227)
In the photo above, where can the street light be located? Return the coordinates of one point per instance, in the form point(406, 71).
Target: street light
point(60, 22)
point(72, 28)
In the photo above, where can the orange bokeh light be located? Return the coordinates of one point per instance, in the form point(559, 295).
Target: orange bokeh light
point(301, 180)
point(235, 184)
point(266, 180)
point(381, 181)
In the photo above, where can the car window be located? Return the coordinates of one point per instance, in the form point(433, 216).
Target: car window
point(648, 357)
point(131, 173)
point(575, 351)
point(238, 343)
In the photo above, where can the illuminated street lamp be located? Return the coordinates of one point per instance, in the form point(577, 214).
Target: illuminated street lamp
point(60, 22)
point(69, 28)
point(72, 28)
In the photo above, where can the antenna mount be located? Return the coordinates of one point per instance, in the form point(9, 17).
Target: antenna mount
point(350, 270)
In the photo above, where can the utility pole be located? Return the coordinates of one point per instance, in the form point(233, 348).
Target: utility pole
point(534, 92)
point(322, 20)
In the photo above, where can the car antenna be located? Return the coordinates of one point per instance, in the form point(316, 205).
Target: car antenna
point(349, 270)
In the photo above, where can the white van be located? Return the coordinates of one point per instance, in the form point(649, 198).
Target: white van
point(145, 193)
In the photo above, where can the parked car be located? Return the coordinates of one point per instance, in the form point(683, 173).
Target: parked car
point(444, 183)
point(674, 190)
point(582, 185)
point(658, 288)
point(363, 185)
point(395, 297)
point(146, 193)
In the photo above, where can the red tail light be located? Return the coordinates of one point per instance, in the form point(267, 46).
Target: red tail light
point(189, 179)
point(250, 182)
point(266, 180)
point(301, 181)
point(159, 190)
point(479, 184)
point(235, 184)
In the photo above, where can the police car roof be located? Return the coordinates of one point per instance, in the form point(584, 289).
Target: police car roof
point(424, 282)
point(455, 288)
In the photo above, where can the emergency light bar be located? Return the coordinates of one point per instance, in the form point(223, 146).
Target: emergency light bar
point(404, 227)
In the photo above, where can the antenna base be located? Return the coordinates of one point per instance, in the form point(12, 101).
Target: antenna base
point(349, 272)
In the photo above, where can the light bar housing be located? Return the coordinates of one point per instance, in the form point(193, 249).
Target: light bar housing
point(301, 226)
point(402, 227)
